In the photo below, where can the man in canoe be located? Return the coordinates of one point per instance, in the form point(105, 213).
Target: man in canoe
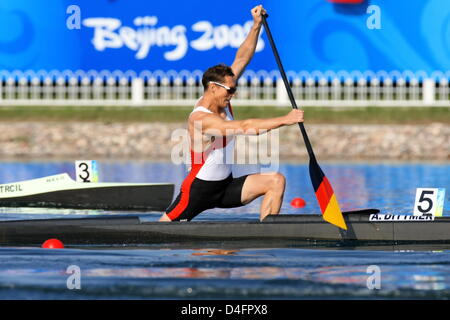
point(211, 127)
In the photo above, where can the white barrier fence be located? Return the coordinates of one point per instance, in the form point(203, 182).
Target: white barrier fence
point(260, 88)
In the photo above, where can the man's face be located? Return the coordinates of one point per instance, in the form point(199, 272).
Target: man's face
point(223, 95)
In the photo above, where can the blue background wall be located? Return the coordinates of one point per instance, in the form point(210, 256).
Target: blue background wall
point(310, 35)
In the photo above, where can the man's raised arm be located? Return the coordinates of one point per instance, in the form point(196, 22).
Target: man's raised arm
point(247, 49)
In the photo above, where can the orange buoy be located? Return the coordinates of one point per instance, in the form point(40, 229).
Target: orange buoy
point(53, 244)
point(298, 203)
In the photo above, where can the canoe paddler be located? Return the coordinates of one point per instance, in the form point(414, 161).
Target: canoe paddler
point(210, 183)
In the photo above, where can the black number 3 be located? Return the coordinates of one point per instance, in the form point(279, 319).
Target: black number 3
point(85, 169)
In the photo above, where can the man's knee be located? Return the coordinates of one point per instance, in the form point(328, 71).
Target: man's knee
point(277, 181)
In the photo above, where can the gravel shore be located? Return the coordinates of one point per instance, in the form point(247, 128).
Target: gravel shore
point(161, 141)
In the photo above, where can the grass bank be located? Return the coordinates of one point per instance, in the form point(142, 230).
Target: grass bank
point(359, 115)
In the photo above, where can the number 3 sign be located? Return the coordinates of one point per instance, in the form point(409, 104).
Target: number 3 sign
point(429, 201)
point(86, 171)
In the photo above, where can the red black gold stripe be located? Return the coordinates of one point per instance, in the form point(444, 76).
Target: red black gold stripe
point(325, 196)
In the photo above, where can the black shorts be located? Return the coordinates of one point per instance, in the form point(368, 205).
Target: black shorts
point(202, 195)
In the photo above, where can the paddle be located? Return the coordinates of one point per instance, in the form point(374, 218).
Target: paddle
point(322, 187)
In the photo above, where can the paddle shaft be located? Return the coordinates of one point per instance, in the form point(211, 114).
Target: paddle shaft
point(287, 85)
point(324, 192)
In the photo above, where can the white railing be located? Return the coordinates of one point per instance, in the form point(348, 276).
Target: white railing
point(158, 88)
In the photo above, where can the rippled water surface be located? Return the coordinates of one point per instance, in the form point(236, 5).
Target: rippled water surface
point(242, 272)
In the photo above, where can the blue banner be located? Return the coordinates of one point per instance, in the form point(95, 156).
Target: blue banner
point(374, 35)
point(189, 35)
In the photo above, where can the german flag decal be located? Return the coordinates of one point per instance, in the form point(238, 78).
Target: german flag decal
point(325, 196)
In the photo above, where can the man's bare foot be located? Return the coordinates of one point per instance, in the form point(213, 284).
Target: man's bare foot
point(164, 218)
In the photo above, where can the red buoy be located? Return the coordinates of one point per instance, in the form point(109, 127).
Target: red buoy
point(53, 244)
point(298, 203)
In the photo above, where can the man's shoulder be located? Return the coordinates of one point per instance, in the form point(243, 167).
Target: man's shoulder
point(201, 112)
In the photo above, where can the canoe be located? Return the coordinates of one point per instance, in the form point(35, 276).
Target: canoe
point(61, 191)
point(364, 226)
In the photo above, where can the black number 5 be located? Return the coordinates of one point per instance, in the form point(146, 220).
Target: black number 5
point(427, 200)
point(85, 170)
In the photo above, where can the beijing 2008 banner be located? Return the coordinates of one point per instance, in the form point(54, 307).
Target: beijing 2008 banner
point(122, 34)
point(188, 35)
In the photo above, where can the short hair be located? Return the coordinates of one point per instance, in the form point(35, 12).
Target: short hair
point(216, 73)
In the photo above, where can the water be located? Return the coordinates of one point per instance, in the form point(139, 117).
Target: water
point(218, 272)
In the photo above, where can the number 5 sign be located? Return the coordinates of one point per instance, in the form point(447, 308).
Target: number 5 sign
point(429, 201)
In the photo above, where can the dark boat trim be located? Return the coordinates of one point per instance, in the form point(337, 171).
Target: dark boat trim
point(130, 230)
point(155, 197)
point(61, 191)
